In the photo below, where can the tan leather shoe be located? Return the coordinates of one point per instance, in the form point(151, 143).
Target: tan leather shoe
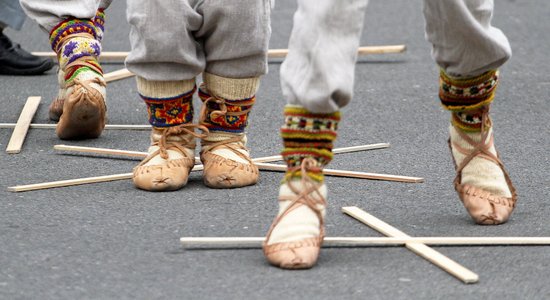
point(303, 253)
point(222, 172)
point(170, 159)
point(84, 111)
point(484, 207)
point(56, 107)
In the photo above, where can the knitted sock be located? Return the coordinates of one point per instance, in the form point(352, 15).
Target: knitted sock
point(467, 99)
point(305, 135)
point(75, 42)
point(169, 103)
point(238, 96)
point(99, 22)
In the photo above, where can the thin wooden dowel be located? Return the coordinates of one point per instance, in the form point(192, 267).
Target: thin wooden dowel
point(349, 174)
point(274, 53)
point(335, 151)
point(22, 126)
point(81, 149)
point(112, 56)
point(78, 181)
point(261, 166)
point(256, 242)
point(421, 249)
point(53, 126)
point(70, 182)
point(273, 158)
point(117, 75)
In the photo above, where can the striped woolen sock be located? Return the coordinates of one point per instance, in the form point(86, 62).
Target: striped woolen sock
point(307, 134)
point(467, 99)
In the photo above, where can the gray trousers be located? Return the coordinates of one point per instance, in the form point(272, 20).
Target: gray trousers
point(179, 39)
point(48, 13)
point(11, 14)
point(318, 73)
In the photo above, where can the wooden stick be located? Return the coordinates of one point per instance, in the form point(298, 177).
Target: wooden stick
point(335, 151)
point(22, 126)
point(270, 167)
point(261, 166)
point(117, 75)
point(257, 160)
point(256, 242)
point(350, 174)
point(273, 53)
point(421, 249)
point(79, 181)
point(108, 126)
point(70, 182)
point(81, 149)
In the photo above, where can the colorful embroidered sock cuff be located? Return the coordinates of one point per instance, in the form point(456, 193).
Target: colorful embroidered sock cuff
point(460, 94)
point(170, 111)
point(69, 27)
point(307, 134)
point(99, 22)
point(236, 118)
point(469, 121)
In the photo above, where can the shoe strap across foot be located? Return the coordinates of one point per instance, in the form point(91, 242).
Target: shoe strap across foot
point(235, 143)
point(481, 149)
point(222, 111)
point(164, 144)
point(303, 197)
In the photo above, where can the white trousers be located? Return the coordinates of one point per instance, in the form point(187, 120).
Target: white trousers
point(48, 13)
point(318, 73)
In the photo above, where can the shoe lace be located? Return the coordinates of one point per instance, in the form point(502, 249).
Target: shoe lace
point(309, 195)
point(481, 149)
point(235, 143)
point(187, 129)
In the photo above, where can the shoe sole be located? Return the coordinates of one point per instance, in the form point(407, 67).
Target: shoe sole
point(85, 120)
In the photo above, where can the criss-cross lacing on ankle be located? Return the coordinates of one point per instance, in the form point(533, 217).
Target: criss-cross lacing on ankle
point(226, 160)
point(483, 206)
point(301, 253)
point(170, 160)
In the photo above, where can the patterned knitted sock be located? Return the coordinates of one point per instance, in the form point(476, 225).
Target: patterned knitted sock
point(236, 96)
point(75, 42)
point(169, 103)
point(467, 99)
point(305, 135)
point(56, 108)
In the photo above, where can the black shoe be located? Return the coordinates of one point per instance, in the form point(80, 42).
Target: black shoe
point(16, 61)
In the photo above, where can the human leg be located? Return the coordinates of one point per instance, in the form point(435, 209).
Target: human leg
point(166, 60)
point(469, 51)
point(235, 38)
point(75, 40)
point(317, 80)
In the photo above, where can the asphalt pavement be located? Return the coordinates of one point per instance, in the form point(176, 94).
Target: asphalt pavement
point(112, 241)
